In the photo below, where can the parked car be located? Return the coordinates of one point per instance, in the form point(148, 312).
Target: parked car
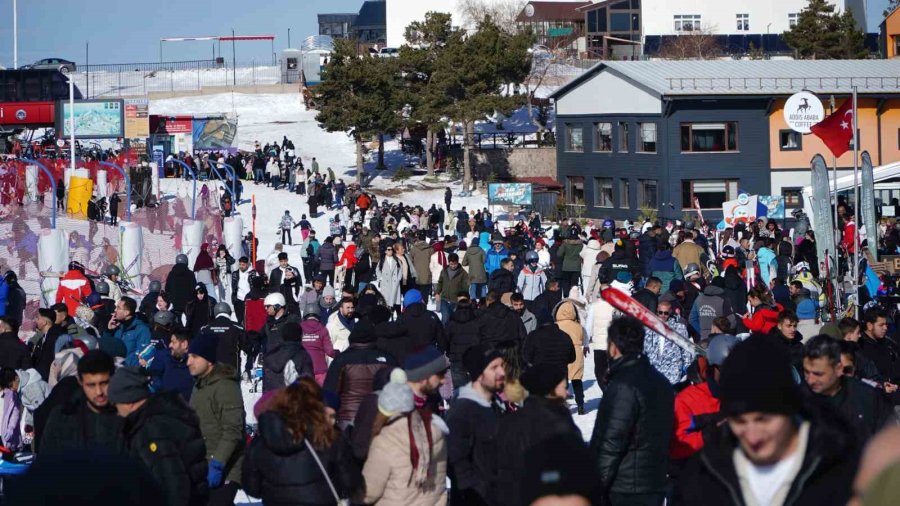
point(389, 52)
point(64, 66)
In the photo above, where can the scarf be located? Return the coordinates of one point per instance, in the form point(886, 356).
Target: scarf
point(438, 248)
point(418, 425)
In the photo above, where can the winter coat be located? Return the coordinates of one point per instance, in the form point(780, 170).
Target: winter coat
point(634, 428)
point(599, 317)
point(662, 265)
point(421, 257)
point(696, 408)
point(735, 291)
point(475, 259)
point(74, 287)
point(423, 326)
point(647, 299)
point(317, 343)
point(500, 324)
point(471, 446)
point(180, 285)
point(71, 425)
point(327, 256)
point(169, 374)
point(285, 364)
point(538, 420)
point(708, 306)
point(164, 434)
point(450, 283)
point(15, 303)
point(862, 407)
point(277, 278)
point(350, 376)
point(688, 252)
point(388, 469)
point(136, 336)
point(287, 221)
point(435, 266)
point(768, 267)
point(544, 304)
point(229, 335)
point(280, 469)
point(219, 405)
point(462, 334)
point(549, 345)
point(569, 255)
point(588, 256)
point(10, 420)
point(198, 313)
point(494, 258)
point(826, 471)
point(502, 281)
point(273, 329)
point(667, 357)
point(764, 318)
point(531, 282)
point(13, 352)
point(647, 252)
point(567, 321)
point(389, 278)
point(339, 331)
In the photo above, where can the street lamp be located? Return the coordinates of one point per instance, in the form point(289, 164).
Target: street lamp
point(15, 36)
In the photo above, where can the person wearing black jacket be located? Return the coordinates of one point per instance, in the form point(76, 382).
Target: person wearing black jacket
point(648, 296)
point(548, 345)
point(502, 280)
point(164, 432)
point(634, 423)
point(114, 208)
point(499, 323)
point(423, 326)
point(15, 299)
point(180, 284)
point(288, 361)
point(13, 352)
point(44, 352)
point(462, 334)
point(199, 311)
point(545, 302)
point(881, 349)
point(228, 334)
point(148, 303)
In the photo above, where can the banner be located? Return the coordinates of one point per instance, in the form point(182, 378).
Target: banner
point(214, 132)
point(742, 210)
point(137, 118)
point(867, 204)
point(822, 214)
point(512, 194)
point(774, 205)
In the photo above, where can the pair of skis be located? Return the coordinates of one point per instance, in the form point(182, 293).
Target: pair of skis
point(627, 305)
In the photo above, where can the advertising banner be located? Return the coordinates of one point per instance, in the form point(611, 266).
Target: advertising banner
point(94, 119)
point(171, 124)
point(822, 209)
point(137, 118)
point(214, 132)
point(742, 210)
point(867, 204)
point(509, 194)
point(774, 205)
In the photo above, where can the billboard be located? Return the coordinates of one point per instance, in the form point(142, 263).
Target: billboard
point(214, 132)
point(94, 119)
point(504, 194)
point(742, 210)
point(774, 206)
point(137, 118)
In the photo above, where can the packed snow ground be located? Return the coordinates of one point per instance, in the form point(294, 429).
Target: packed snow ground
point(138, 83)
point(267, 118)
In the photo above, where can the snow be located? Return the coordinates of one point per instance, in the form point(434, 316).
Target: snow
point(269, 117)
point(140, 83)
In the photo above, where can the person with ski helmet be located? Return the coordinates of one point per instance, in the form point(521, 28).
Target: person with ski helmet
point(180, 284)
point(532, 279)
point(228, 334)
point(111, 275)
point(277, 318)
point(74, 287)
point(148, 303)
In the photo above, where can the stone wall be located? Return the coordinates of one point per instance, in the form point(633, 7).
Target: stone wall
point(512, 163)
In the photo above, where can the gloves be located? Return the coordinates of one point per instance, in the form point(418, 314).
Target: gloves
point(214, 475)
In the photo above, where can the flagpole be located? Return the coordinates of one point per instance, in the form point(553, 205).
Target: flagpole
point(856, 241)
point(834, 226)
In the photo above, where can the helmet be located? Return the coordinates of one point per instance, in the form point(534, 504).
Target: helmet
point(76, 266)
point(691, 270)
point(164, 318)
point(111, 270)
point(719, 348)
point(181, 259)
point(222, 307)
point(608, 223)
point(102, 288)
point(155, 286)
point(728, 252)
point(800, 267)
point(311, 310)
point(275, 299)
point(531, 256)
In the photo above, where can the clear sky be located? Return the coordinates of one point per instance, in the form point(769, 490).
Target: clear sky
point(128, 31)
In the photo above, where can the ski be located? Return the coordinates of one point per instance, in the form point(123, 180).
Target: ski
point(631, 307)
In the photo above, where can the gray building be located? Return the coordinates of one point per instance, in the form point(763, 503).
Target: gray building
point(337, 26)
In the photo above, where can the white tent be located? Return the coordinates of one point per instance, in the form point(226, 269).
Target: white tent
point(844, 183)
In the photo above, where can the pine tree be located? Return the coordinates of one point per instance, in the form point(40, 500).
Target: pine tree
point(822, 34)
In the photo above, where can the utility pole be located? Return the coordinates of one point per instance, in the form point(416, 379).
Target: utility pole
point(15, 36)
point(289, 38)
point(233, 61)
point(87, 72)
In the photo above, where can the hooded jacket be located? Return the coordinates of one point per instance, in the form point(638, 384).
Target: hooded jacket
point(219, 405)
point(647, 252)
point(588, 256)
point(317, 343)
point(494, 258)
point(462, 333)
point(531, 282)
point(549, 345)
point(764, 318)
point(423, 326)
point(567, 321)
point(285, 364)
point(421, 258)
point(708, 306)
point(327, 256)
point(471, 446)
point(475, 259)
point(569, 255)
point(180, 285)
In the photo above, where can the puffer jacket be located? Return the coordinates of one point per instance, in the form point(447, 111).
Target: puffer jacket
point(662, 265)
point(219, 405)
point(567, 321)
point(588, 256)
point(634, 428)
point(569, 255)
point(647, 252)
point(494, 258)
point(600, 315)
point(422, 326)
point(462, 333)
point(499, 324)
point(388, 469)
point(284, 364)
point(279, 468)
point(531, 282)
point(708, 306)
point(764, 318)
point(136, 336)
point(549, 345)
point(350, 376)
point(165, 435)
point(327, 256)
point(474, 259)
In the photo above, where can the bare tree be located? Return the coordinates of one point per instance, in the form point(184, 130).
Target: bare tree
point(547, 69)
point(503, 12)
point(696, 45)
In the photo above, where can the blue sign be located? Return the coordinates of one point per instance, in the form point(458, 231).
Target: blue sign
point(509, 194)
point(774, 206)
point(158, 157)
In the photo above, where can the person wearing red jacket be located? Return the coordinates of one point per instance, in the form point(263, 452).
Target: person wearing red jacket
point(74, 288)
point(317, 342)
point(849, 239)
point(697, 406)
point(765, 311)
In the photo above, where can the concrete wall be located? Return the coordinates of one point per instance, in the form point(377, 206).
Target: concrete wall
point(510, 163)
point(214, 90)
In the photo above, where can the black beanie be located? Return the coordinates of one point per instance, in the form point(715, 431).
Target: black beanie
point(757, 376)
point(541, 379)
point(559, 466)
point(363, 332)
point(477, 358)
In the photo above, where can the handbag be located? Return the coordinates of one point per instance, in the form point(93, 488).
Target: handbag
point(337, 498)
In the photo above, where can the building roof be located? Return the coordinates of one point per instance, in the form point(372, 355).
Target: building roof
point(750, 77)
point(372, 13)
point(337, 17)
point(552, 11)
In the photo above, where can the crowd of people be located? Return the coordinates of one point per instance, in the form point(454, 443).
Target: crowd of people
point(408, 345)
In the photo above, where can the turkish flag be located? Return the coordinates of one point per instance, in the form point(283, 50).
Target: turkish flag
point(836, 131)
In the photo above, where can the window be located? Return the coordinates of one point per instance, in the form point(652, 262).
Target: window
point(687, 22)
point(647, 142)
point(602, 137)
point(624, 193)
point(603, 192)
point(647, 193)
point(793, 197)
point(793, 19)
point(790, 140)
point(708, 137)
point(743, 22)
point(619, 22)
point(623, 137)
point(709, 192)
point(574, 141)
point(575, 190)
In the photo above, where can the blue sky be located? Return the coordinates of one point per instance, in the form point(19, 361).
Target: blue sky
point(128, 31)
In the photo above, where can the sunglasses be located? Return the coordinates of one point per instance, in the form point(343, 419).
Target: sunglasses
point(663, 313)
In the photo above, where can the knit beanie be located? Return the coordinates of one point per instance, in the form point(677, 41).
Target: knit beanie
point(328, 291)
point(127, 385)
point(757, 376)
point(477, 358)
point(425, 363)
point(204, 346)
point(559, 466)
point(363, 332)
point(412, 297)
point(396, 397)
point(831, 330)
point(542, 378)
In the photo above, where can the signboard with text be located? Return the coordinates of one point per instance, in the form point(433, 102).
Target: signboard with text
point(515, 194)
point(803, 110)
point(137, 118)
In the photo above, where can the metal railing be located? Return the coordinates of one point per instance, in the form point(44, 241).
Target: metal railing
point(792, 83)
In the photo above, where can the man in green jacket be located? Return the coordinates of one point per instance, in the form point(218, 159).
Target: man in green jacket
point(453, 281)
point(421, 257)
point(474, 259)
point(219, 405)
point(569, 255)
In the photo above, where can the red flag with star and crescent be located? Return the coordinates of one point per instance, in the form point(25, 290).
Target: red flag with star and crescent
point(836, 131)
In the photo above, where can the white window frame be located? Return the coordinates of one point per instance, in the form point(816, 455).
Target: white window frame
point(644, 129)
point(793, 19)
point(687, 22)
point(570, 129)
point(743, 22)
point(697, 186)
point(599, 184)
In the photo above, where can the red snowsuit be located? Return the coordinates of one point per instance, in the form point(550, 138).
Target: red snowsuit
point(74, 287)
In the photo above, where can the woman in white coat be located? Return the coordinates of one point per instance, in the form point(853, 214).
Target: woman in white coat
point(588, 259)
point(389, 278)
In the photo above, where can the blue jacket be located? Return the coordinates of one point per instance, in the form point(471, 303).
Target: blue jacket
point(4, 294)
point(170, 375)
point(766, 259)
point(492, 263)
point(136, 336)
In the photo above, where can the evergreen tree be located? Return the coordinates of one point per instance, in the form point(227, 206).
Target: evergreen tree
point(821, 34)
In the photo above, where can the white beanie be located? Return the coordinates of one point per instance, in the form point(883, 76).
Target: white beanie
point(396, 397)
